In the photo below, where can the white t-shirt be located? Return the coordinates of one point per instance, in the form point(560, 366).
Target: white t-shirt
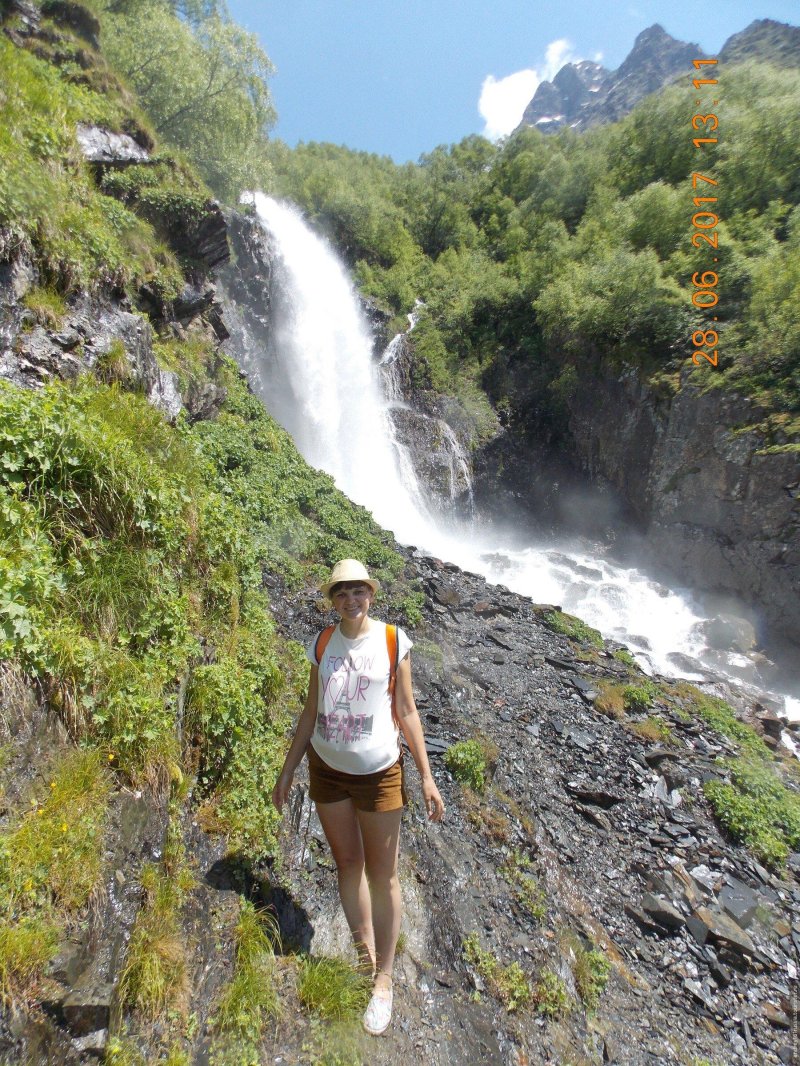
point(354, 731)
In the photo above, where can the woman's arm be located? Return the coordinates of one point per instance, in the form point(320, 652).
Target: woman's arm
point(411, 726)
point(302, 735)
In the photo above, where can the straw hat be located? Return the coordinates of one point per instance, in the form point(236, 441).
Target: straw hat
point(349, 570)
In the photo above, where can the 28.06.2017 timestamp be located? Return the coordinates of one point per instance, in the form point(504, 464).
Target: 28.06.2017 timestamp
point(704, 223)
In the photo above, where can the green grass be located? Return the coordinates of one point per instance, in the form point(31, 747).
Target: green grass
point(154, 979)
point(654, 729)
point(757, 809)
point(26, 947)
point(54, 851)
point(51, 861)
point(251, 998)
point(755, 805)
point(80, 238)
point(47, 306)
point(331, 988)
point(570, 626)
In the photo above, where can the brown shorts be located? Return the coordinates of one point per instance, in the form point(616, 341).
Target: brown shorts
point(382, 791)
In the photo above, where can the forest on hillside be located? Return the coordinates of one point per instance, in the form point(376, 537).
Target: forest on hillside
point(534, 258)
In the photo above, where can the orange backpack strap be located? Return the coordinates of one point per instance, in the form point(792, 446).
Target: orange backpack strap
point(393, 648)
point(323, 637)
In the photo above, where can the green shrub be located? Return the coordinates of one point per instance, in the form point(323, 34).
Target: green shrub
point(638, 697)
point(509, 983)
point(591, 970)
point(758, 809)
point(527, 890)
point(466, 761)
point(550, 996)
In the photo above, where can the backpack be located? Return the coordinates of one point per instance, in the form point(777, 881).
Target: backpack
point(392, 647)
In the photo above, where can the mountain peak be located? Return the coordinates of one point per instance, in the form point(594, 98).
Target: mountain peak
point(585, 94)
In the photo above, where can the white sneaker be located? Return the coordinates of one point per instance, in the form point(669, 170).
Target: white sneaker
point(379, 1012)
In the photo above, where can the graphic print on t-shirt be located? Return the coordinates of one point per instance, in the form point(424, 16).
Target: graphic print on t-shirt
point(343, 722)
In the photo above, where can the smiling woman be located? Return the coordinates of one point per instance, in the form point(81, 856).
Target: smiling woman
point(359, 701)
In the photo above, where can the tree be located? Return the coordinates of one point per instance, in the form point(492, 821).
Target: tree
point(203, 81)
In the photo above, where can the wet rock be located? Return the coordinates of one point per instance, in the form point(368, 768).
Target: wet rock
point(203, 401)
point(434, 746)
point(193, 300)
point(485, 609)
point(444, 594)
point(597, 818)
point(93, 1043)
point(644, 921)
point(87, 1008)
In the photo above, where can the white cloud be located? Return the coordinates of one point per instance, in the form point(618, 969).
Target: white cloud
point(558, 53)
point(503, 100)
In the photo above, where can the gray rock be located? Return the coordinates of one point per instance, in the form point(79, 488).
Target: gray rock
point(712, 925)
point(662, 912)
point(112, 149)
point(164, 394)
point(739, 901)
point(594, 792)
point(87, 1008)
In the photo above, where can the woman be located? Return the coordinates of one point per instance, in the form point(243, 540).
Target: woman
point(351, 732)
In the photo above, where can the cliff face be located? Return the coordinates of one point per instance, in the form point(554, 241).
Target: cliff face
point(719, 507)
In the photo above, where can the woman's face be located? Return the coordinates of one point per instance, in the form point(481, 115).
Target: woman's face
point(352, 600)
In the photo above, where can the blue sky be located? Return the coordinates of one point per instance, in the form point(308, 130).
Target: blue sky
point(399, 77)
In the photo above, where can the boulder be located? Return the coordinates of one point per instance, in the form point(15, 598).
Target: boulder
point(102, 146)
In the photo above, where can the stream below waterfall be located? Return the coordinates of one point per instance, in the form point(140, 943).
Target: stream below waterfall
point(318, 377)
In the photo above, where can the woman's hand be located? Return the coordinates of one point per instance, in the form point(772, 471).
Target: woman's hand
point(280, 792)
point(434, 804)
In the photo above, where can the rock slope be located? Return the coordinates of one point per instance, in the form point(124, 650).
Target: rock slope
point(588, 837)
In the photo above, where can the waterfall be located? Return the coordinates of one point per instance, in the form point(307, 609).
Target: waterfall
point(318, 378)
point(320, 381)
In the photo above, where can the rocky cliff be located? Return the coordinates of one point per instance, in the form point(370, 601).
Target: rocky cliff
point(717, 500)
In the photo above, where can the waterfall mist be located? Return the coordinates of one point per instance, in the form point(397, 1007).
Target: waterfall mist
point(319, 379)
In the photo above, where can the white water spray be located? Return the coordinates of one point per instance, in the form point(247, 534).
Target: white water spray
point(322, 385)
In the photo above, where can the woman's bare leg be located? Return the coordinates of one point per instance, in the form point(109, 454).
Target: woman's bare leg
point(380, 835)
point(343, 833)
